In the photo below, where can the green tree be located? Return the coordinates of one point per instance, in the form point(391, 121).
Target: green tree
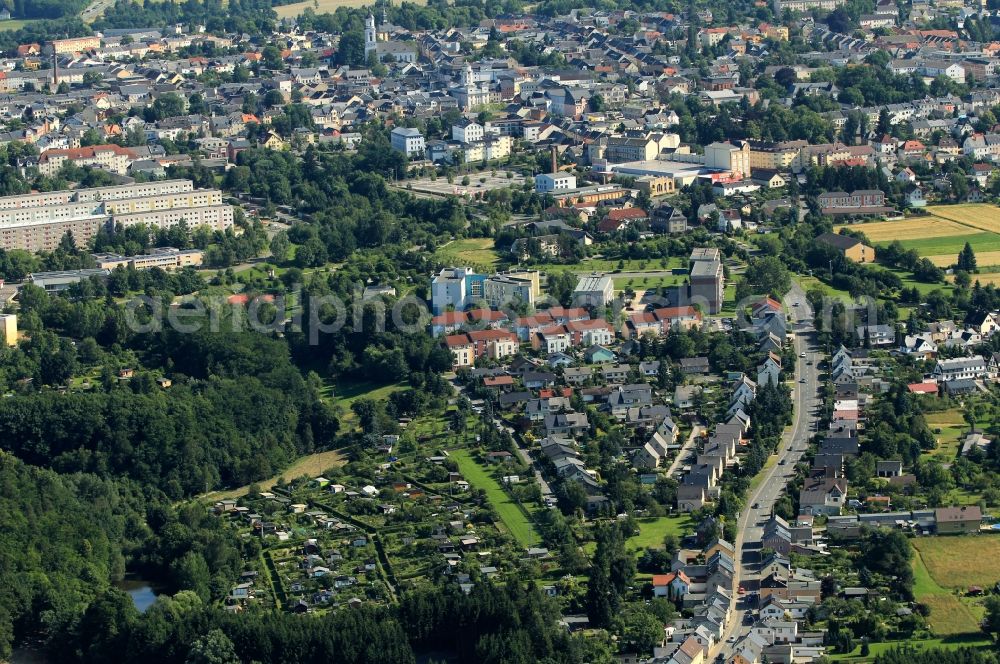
point(967, 259)
point(213, 648)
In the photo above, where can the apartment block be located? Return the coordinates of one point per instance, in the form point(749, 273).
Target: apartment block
point(38, 222)
point(113, 158)
point(707, 280)
point(467, 347)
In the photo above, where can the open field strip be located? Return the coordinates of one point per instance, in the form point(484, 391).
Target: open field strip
point(977, 215)
point(510, 512)
point(916, 228)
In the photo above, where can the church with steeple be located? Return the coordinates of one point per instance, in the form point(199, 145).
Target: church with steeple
point(381, 46)
point(471, 92)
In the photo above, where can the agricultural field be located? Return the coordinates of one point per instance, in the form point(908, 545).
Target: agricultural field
point(322, 6)
point(474, 252)
point(955, 563)
point(977, 215)
point(511, 514)
point(987, 278)
point(916, 228)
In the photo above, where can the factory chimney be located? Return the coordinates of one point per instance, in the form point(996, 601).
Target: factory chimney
point(55, 68)
point(555, 160)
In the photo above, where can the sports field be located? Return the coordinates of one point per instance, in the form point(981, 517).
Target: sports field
point(510, 513)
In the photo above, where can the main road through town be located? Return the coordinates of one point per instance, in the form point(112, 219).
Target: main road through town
point(776, 474)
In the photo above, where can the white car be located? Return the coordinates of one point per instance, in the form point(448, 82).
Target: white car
point(802, 354)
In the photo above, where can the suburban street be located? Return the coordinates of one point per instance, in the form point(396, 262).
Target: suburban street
point(793, 445)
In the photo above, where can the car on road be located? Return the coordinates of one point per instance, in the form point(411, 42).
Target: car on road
point(802, 354)
point(781, 463)
point(755, 505)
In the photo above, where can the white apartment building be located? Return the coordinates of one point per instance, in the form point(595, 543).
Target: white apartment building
point(408, 141)
point(552, 182)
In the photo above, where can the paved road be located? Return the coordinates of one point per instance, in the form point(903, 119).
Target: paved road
point(793, 444)
point(686, 449)
point(94, 10)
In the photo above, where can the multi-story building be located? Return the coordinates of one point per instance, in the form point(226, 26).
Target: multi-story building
point(76, 44)
point(554, 182)
point(8, 329)
point(467, 347)
point(456, 287)
point(708, 282)
point(505, 290)
point(166, 258)
point(661, 321)
point(596, 290)
point(38, 222)
point(113, 158)
point(775, 156)
point(727, 156)
point(407, 140)
point(781, 6)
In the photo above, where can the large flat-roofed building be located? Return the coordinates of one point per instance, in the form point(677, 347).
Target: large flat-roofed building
point(707, 281)
point(595, 290)
point(550, 182)
point(38, 222)
point(505, 290)
point(62, 280)
point(166, 258)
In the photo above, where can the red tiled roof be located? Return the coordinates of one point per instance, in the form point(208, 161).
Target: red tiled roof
point(89, 151)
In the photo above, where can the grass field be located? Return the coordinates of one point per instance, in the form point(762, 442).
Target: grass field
point(949, 615)
point(16, 24)
point(977, 215)
point(979, 641)
point(510, 513)
point(653, 530)
point(809, 283)
point(981, 242)
point(960, 562)
point(953, 429)
point(476, 252)
point(311, 465)
point(345, 393)
point(646, 283)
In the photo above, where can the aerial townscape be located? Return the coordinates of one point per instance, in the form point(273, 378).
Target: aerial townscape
point(491, 332)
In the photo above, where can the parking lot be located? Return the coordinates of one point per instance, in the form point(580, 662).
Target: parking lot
point(478, 183)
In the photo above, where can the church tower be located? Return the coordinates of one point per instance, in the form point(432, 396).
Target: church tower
point(371, 37)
